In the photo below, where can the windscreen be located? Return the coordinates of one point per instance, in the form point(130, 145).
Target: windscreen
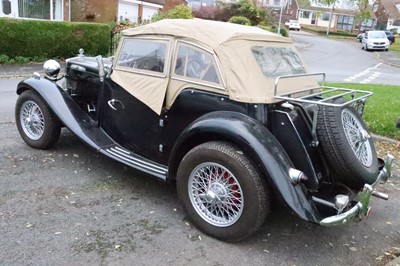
point(277, 61)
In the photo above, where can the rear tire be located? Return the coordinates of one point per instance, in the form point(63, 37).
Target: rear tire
point(38, 127)
point(222, 192)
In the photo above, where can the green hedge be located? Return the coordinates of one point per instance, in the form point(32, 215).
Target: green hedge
point(322, 31)
point(35, 38)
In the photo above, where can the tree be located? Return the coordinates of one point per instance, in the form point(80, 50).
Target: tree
point(363, 10)
point(330, 3)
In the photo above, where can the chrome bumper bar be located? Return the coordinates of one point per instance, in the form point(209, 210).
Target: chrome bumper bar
point(361, 209)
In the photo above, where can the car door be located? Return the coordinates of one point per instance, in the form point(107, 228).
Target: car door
point(134, 96)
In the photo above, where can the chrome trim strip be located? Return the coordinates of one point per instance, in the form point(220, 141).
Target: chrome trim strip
point(134, 160)
point(122, 150)
point(128, 158)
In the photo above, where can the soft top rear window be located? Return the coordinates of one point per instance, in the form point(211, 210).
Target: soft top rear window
point(277, 61)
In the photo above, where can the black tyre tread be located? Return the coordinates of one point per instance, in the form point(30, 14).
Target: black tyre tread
point(333, 144)
point(52, 125)
point(251, 224)
point(336, 149)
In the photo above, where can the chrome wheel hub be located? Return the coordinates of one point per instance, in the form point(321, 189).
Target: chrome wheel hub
point(215, 194)
point(32, 120)
point(358, 137)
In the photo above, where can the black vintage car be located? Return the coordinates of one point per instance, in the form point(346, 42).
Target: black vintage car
point(227, 111)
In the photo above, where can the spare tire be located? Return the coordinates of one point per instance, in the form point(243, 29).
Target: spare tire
point(347, 145)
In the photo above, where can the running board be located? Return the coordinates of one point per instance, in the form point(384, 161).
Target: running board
point(135, 161)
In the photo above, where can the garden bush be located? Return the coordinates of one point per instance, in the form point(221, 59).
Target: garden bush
point(240, 20)
point(36, 38)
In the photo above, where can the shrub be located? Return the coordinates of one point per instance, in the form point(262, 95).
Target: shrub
point(283, 31)
point(240, 20)
point(35, 38)
point(4, 59)
point(179, 11)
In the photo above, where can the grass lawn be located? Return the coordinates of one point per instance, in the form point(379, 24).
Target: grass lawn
point(396, 45)
point(382, 109)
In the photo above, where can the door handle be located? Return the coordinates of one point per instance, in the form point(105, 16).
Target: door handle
point(112, 103)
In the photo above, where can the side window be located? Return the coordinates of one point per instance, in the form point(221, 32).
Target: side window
point(196, 63)
point(142, 54)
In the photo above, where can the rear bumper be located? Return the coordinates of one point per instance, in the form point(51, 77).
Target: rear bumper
point(361, 208)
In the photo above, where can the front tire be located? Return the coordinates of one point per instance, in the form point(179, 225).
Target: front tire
point(222, 192)
point(38, 127)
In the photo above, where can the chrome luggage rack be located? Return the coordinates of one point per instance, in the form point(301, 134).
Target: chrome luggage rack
point(314, 95)
point(304, 95)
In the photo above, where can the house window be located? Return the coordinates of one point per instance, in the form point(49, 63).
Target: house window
point(367, 24)
point(143, 55)
point(398, 7)
point(325, 16)
point(196, 63)
point(41, 9)
point(304, 14)
point(345, 22)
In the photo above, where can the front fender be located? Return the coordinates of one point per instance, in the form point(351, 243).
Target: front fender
point(64, 107)
point(261, 146)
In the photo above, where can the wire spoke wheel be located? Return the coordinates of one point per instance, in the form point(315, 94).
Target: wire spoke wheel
point(215, 194)
point(222, 192)
point(357, 137)
point(32, 120)
point(36, 124)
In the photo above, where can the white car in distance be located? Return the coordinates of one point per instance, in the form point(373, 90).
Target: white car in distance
point(293, 25)
point(375, 40)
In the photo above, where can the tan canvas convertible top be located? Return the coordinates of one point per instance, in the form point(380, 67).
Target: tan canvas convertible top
point(232, 45)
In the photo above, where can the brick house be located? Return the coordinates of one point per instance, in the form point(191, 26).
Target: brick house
point(387, 13)
point(81, 10)
point(342, 19)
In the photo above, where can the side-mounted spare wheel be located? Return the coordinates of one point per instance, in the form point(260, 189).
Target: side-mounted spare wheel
point(347, 144)
point(223, 193)
point(38, 127)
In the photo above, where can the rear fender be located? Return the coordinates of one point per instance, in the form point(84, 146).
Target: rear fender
point(261, 146)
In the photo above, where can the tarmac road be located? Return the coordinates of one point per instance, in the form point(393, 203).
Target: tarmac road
point(72, 206)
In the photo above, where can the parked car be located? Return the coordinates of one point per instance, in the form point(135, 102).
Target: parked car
point(390, 36)
point(375, 40)
point(227, 111)
point(293, 25)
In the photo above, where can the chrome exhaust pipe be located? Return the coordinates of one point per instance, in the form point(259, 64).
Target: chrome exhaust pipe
point(380, 195)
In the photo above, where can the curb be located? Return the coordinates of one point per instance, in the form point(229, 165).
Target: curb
point(22, 76)
point(382, 138)
point(378, 56)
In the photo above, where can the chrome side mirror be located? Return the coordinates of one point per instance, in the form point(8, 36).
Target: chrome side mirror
point(51, 68)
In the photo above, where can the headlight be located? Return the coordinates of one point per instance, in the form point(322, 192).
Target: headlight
point(52, 68)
